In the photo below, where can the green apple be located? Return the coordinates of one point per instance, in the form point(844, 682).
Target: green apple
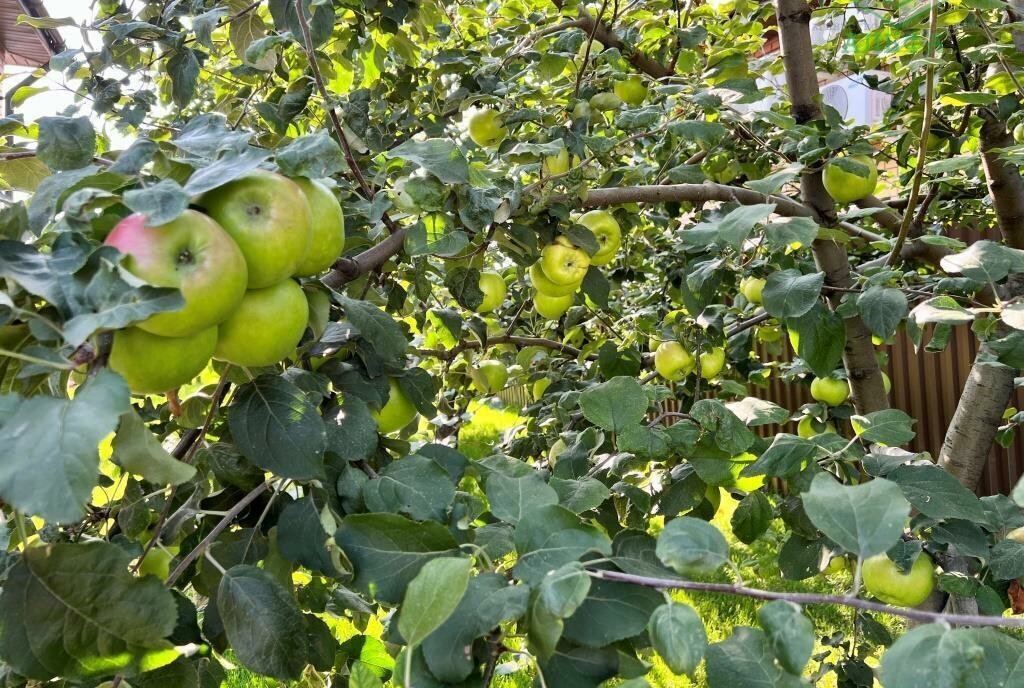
point(721, 167)
point(808, 427)
point(266, 327)
point(605, 102)
point(486, 129)
point(712, 362)
point(493, 286)
point(545, 286)
point(752, 288)
point(836, 565)
point(830, 390)
point(557, 164)
point(886, 582)
point(327, 228)
point(269, 218)
point(631, 90)
point(672, 361)
point(607, 232)
point(152, 364)
point(724, 7)
point(768, 334)
point(417, 194)
point(551, 307)
point(563, 263)
point(582, 110)
point(192, 254)
point(847, 187)
point(539, 387)
point(397, 412)
point(1018, 133)
point(490, 376)
point(158, 562)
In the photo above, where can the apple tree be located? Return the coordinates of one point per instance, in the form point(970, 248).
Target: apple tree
point(257, 280)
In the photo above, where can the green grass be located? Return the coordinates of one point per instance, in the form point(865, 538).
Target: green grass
point(757, 564)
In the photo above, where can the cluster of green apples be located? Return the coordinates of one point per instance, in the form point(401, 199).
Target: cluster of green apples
point(674, 362)
point(559, 273)
point(234, 264)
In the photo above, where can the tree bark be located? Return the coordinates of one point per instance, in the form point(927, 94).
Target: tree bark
point(866, 387)
point(979, 412)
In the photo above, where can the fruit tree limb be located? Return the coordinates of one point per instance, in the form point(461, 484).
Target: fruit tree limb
point(449, 354)
point(810, 598)
point(609, 39)
point(859, 359)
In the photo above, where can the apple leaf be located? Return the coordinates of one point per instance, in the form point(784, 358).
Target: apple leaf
point(414, 485)
point(692, 547)
point(790, 294)
point(440, 157)
point(277, 427)
point(511, 498)
point(864, 519)
point(790, 633)
point(74, 610)
point(677, 634)
point(160, 203)
point(138, 451)
point(432, 596)
point(616, 404)
point(51, 457)
point(314, 156)
point(66, 143)
point(743, 659)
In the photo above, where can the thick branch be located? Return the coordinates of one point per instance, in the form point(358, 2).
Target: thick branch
point(610, 39)
point(862, 368)
point(811, 598)
point(348, 269)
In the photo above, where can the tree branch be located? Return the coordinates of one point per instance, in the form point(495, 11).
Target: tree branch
point(810, 598)
point(859, 359)
point(449, 354)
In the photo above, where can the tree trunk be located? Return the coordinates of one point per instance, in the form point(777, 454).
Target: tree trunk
point(867, 390)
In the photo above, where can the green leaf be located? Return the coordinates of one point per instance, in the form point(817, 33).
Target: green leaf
point(302, 538)
point(743, 659)
point(388, 550)
point(882, 309)
point(351, 429)
point(692, 547)
point(937, 494)
point(362, 676)
point(790, 633)
point(616, 404)
point(865, 519)
point(941, 309)
point(961, 98)
point(564, 590)
point(415, 485)
point(754, 412)
point(277, 427)
point(51, 457)
point(1006, 561)
point(822, 339)
point(785, 457)
point(489, 602)
point(549, 537)
point(432, 596)
point(440, 157)
point(937, 655)
point(160, 203)
point(985, 261)
point(74, 610)
point(378, 329)
point(678, 636)
point(183, 68)
point(891, 427)
point(262, 622)
point(66, 143)
point(580, 495)
point(752, 517)
point(730, 435)
point(314, 156)
point(464, 285)
point(612, 611)
point(790, 294)
point(138, 451)
point(511, 498)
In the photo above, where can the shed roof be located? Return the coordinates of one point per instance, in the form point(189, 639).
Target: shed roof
point(24, 45)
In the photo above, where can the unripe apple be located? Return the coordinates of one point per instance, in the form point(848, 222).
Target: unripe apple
point(847, 187)
point(418, 194)
point(327, 234)
point(835, 565)
point(191, 253)
point(490, 376)
point(672, 361)
point(493, 286)
point(486, 129)
point(152, 364)
point(1018, 133)
point(397, 412)
point(563, 263)
point(724, 7)
point(582, 110)
point(607, 232)
point(605, 102)
point(768, 334)
point(557, 447)
point(545, 286)
point(830, 390)
point(808, 427)
point(631, 90)
point(551, 307)
point(712, 362)
point(751, 288)
point(557, 164)
point(886, 582)
point(266, 327)
point(269, 218)
point(157, 563)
